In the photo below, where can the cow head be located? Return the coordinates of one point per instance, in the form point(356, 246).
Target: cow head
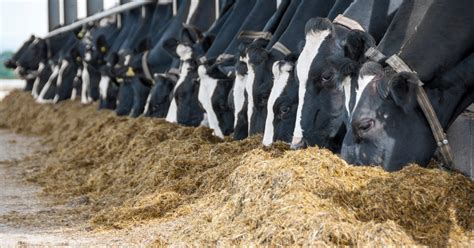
point(282, 103)
point(160, 95)
point(324, 65)
point(214, 91)
point(12, 62)
point(185, 107)
point(238, 101)
point(258, 85)
point(386, 127)
point(35, 53)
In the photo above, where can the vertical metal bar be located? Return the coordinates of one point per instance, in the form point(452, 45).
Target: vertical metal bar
point(53, 14)
point(70, 11)
point(94, 6)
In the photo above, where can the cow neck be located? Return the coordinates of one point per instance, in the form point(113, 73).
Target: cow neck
point(284, 22)
point(427, 104)
point(373, 16)
point(55, 43)
point(308, 9)
point(403, 25)
point(440, 41)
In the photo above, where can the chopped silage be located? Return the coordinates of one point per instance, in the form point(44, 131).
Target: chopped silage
point(233, 192)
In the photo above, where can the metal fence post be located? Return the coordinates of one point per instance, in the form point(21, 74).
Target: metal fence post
point(70, 11)
point(53, 14)
point(94, 6)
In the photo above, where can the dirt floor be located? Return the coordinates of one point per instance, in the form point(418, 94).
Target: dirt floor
point(21, 199)
point(93, 179)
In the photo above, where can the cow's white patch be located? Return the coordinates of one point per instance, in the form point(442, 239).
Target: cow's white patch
point(362, 82)
point(86, 84)
point(73, 94)
point(184, 52)
point(280, 81)
point(249, 89)
point(172, 115)
point(63, 67)
point(238, 94)
point(147, 105)
point(34, 91)
point(314, 39)
point(104, 86)
point(45, 89)
point(88, 56)
point(192, 10)
point(128, 57)
point(346, 87)
point(205, 121)
point(206, 90)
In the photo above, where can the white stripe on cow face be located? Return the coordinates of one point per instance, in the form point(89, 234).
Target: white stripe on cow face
point(128, 57)
point(238, 94)
point(45, 89)
point(192, 10)
point(34, 91)
point(362, 83)
point(63, 67)
point(346, 87)
point(206, 90)
point(148, 100)
point(280, 81)
point(104, 86)
point(184, 53)
point(86, 84)
point(172, 115)
point(249, 89)
point(309, 53)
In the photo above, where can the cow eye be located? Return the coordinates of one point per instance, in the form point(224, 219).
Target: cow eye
point(326, 76)
point(365, 125)
point(284, 110)
point(222, 106)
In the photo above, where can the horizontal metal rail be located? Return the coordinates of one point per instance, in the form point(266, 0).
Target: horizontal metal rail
point(100, 15)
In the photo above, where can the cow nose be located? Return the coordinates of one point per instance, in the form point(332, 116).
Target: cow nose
point(298, 143)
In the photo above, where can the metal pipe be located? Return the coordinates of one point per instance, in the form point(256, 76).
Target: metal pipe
point(70, 11)
point(99, 16)
point(53, 14)
point(94, 6)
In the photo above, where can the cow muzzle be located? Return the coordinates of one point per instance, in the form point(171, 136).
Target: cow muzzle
point(298, 143)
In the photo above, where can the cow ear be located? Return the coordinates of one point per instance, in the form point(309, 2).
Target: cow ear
point(403, 90)
point(102, 44)
point(190, 34)
point(170, 46)
point(356, 44)
point(144, 45)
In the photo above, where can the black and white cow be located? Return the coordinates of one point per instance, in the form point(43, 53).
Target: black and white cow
point(259, 77)
point(216, 85)
point(387, 126)
point(317, 124)
point(11, 63)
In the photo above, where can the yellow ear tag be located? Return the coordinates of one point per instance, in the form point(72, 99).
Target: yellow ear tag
point(103, 49)
point(80, 35)
point(78, 59)
point(130, 72)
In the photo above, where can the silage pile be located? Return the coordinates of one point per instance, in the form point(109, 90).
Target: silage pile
point(203, 190)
